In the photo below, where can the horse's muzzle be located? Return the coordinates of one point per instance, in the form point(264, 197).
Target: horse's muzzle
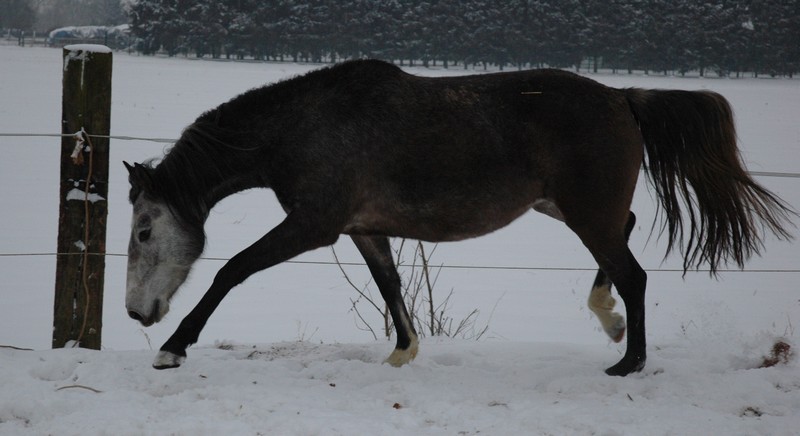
point(138, 317)
point(146, 320)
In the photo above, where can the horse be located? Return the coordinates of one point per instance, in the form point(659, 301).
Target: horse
point(364, 149)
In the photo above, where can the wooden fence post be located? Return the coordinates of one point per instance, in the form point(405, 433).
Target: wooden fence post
point(80, 265)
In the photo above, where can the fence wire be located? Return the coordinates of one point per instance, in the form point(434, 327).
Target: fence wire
point(172, 141)
point(442, 266)
point(69, 135)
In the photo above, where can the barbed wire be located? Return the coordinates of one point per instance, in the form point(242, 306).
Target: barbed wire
point(442, 266)
point(172, 141)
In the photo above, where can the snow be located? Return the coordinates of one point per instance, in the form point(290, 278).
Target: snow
point(77, 194)
point(455, 387)
point(284, 353)
point(87, 48)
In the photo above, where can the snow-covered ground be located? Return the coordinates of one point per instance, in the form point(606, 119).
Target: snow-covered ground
point(284, 353)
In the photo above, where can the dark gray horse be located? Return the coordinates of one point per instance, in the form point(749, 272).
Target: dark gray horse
point(366, 150)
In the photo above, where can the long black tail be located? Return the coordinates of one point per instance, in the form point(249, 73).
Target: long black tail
point(692, 159)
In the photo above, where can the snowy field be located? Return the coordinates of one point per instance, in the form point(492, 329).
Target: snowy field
point(284, 353)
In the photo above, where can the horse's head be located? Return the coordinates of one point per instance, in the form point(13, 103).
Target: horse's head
point(161, 250)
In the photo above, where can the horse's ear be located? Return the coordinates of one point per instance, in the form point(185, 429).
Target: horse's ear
point(139, 178)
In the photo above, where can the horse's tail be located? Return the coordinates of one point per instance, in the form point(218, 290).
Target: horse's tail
point(692, 158)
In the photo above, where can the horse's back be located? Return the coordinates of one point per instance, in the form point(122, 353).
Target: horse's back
point(455, 157)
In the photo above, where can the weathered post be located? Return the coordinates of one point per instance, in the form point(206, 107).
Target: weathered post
point(80, 266)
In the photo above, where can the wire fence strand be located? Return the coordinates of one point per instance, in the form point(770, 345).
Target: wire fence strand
point(65, 135)
point(172, 141)
point(442, 266)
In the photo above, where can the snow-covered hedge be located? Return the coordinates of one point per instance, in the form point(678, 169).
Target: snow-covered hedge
point(112, 36)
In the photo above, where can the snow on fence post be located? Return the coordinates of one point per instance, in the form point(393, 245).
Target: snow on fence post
point(80, 265)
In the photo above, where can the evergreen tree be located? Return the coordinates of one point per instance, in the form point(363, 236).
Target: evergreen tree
point(16, 14)
point(775, 34)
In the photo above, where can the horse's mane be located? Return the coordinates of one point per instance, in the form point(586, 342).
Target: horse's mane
point(189, 174)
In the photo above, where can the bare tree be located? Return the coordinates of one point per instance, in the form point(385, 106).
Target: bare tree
point(418, 282)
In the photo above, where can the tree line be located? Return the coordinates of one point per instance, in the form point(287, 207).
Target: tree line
point(723, 36)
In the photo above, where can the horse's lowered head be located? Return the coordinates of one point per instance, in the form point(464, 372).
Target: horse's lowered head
point(161, 250)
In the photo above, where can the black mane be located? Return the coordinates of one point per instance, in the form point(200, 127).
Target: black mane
point(175, 180)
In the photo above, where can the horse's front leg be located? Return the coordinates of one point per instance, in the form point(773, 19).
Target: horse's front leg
point(295, 235)
point(378, 254)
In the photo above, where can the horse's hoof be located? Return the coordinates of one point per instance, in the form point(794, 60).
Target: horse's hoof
point(400, 357)
point(627, 366)
point(167, 360)
point(617, 331)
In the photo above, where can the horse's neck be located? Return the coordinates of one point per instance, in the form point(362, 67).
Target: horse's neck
point(229, 187)
point(199, 184)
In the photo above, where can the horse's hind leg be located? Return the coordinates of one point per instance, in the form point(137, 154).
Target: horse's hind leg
point(611, 252)
point(602, 303)
point(631, 281)
point(605, 237)
point(378, 254)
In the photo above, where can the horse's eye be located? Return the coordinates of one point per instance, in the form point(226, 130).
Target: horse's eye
point(144, 235)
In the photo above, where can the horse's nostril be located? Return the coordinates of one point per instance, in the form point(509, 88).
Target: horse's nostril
point(135, 315)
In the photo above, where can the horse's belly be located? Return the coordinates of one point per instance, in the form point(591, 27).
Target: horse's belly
point(438, 225)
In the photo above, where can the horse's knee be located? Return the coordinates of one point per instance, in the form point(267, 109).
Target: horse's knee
point(400, 357)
